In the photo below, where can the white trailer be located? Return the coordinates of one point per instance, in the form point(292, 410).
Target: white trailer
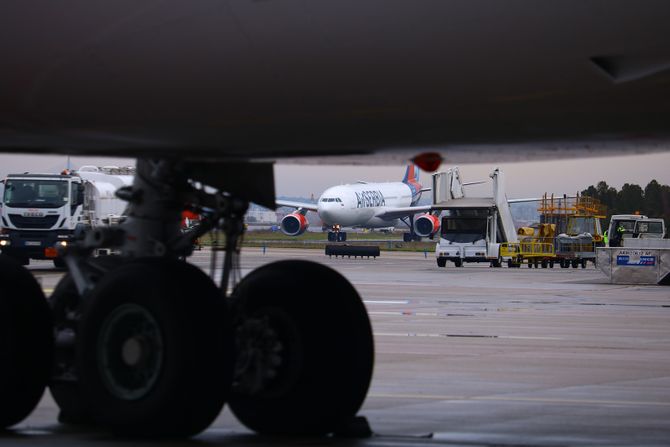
point(472, 229)
point(41, 212)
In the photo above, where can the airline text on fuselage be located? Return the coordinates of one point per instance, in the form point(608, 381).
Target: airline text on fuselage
point(369, 199)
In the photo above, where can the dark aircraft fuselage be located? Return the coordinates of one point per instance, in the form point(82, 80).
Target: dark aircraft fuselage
point(247, 79)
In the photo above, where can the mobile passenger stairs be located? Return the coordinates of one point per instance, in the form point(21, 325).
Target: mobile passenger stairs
point(472, 228)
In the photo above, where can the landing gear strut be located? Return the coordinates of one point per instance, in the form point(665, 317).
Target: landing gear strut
point(147, 344)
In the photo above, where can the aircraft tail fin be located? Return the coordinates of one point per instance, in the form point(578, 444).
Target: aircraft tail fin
point(411, 174)
point(411, 179)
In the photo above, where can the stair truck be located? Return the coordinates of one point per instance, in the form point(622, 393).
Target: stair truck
point(472, 228)
point(41, 212)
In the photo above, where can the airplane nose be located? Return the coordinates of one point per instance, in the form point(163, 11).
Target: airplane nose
point(327, 216)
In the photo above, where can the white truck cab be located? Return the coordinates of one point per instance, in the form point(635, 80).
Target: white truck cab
point(634, 226)
point(41, 212)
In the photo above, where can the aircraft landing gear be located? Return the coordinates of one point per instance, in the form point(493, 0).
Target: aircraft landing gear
point(26, 342)
point(147, 344)
point(336, 234)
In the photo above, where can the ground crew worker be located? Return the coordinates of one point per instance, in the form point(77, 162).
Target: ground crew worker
point(606, 238)
point(617, 238)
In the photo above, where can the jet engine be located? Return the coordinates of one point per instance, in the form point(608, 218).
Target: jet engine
point(426, 225)
point(294, 224)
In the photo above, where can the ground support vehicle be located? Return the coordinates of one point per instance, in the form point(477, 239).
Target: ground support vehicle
point(41, 213)
point(472, 228)
point(537, 254)
point(634, 226)
point(575, 251)
point(577, 227)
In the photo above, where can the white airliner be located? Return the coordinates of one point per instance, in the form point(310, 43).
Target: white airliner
point(366, 205)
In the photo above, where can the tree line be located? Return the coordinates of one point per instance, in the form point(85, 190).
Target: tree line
point(652, 201)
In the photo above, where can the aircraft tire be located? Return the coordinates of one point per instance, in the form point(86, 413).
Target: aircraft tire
point(68, 395)
point(155, 350)
point(319, 350)
point(26, 342)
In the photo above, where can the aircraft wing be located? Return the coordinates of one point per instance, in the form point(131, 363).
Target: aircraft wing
point(524, 200)
point(297, 205)
point(397, 213)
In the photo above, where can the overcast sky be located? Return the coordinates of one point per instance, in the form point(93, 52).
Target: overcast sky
point(527, 179)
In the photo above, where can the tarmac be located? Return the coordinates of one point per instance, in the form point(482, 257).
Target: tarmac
point(472, 356)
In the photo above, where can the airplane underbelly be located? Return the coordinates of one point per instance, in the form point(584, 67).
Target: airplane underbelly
point(243, 79)
point(376, 222)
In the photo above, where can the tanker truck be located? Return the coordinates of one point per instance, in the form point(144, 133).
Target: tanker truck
point(41, 212)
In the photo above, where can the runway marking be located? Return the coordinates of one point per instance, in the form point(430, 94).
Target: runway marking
point(545, 400)
point(416, 314)
point(386, 301)
point(419, 334)
point(434, 335)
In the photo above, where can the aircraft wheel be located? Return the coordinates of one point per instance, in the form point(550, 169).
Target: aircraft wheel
point(155, 350)
point(304, 362)
point(66, 305)
point(441, 262)
point(26, 342)
point(68, 396)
